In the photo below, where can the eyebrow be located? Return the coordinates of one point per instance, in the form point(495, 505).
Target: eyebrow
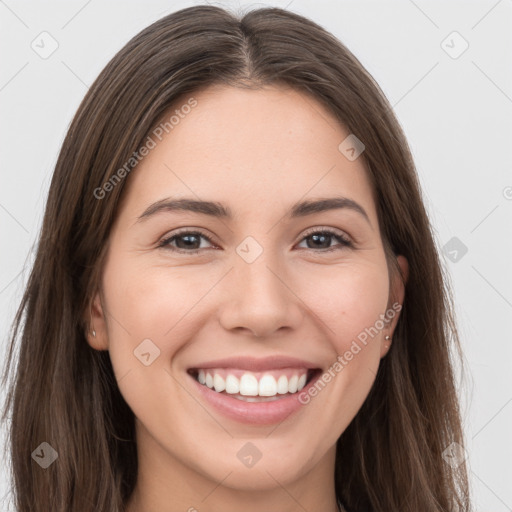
point(218, 210)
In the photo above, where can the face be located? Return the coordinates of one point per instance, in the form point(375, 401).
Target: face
point(266, 297)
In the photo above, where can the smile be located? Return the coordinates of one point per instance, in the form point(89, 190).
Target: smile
point(254, 391)
point(254, 386)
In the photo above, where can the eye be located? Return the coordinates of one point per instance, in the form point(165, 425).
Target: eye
point(189, 242)
point(321, 237)
point(186, 241)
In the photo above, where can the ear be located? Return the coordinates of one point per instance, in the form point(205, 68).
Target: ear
point(96, 334)
point(397, 294)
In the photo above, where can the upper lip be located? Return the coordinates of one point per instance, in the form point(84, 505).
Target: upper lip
point(256, 364)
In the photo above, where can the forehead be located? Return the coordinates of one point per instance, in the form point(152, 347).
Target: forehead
point(246, 148)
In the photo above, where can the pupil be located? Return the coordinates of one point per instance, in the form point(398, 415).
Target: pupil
point(188, 238)
point(323, 236)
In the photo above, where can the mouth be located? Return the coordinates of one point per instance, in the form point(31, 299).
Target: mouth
point(254, 391)
point(251, 386)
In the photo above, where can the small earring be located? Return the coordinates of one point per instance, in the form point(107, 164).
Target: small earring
point(94, 333)
point(386, 337)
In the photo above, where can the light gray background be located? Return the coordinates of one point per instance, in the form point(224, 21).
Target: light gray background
point(456, 113)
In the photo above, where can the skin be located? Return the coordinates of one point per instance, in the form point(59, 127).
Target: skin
point(245, 149)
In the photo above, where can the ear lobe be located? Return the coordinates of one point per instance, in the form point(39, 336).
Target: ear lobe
point(96, 333)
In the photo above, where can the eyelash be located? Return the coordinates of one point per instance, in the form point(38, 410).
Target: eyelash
point(345, 242)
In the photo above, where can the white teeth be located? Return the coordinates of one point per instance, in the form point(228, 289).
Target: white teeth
point(267, 386)
point(257, 398)
point(282, 385)
point(292, 384)
point(232, 385)
point(249, 386)
point(218, 383)
point(302, 382)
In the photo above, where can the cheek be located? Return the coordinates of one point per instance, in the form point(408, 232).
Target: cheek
point(144, 307)
point(350, 302)
point(351, 298)
point(155, 303)
point(149, 301)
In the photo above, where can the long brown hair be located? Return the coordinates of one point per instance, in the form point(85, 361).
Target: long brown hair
point(64, 393)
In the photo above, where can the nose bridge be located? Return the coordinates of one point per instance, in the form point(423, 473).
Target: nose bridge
point(259, 297)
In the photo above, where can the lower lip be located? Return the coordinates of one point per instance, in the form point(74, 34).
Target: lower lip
point(253, 413)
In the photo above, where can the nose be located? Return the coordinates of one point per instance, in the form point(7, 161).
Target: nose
point(260, 299)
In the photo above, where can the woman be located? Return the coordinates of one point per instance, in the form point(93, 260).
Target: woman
point(237, 300)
